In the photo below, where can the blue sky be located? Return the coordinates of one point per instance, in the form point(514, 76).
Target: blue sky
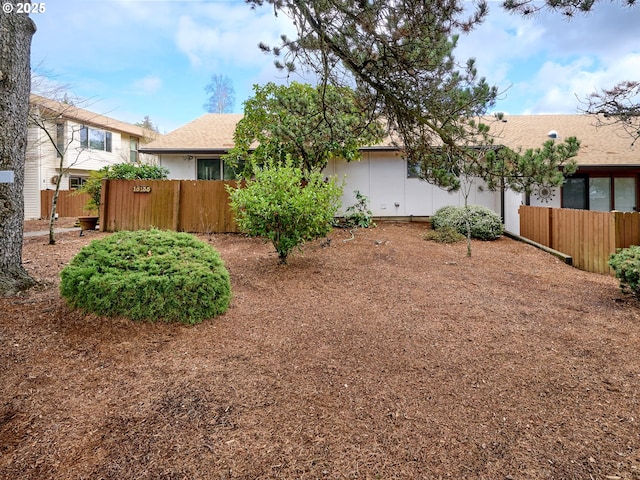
point(132, 58)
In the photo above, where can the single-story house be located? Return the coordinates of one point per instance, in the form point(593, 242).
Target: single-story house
point(89, 141)
point(607, 177)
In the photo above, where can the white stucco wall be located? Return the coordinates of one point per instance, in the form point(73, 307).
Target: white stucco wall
point(181, 167)
point(382, 177)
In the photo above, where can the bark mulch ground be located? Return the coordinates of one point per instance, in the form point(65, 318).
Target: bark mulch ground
point(379, 355)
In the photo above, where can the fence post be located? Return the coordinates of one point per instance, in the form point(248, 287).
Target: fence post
point(104, 198)
point(551, 242)
point(175, 221)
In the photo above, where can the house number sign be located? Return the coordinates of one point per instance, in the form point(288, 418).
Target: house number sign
point(141, 189)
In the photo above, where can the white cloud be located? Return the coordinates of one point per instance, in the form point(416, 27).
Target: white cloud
point(564, 88)
point(215, 37)
point(147, 85)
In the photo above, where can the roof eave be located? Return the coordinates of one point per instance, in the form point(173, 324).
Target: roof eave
point(184, 151)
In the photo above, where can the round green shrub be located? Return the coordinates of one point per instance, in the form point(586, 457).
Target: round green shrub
point(485, 224)
point(626, 265)
point(148, 275)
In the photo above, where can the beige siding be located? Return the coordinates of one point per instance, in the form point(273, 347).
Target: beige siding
point(43, 165)
point(32, 176)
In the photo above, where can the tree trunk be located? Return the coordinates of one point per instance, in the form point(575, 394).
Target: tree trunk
point(16, 31)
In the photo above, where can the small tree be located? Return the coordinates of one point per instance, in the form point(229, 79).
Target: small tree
point(285, 207)
point(222, 96)
point(148, 125)
point(499, 167)
point(49, 117)
point(308, 124)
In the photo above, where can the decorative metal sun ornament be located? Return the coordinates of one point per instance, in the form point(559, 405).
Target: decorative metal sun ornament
point(545, 193)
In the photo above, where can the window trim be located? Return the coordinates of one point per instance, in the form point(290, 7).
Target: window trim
point(134, 152)
point(86, 142)
point(611, 175)
point(223, 168)
point(60, 139)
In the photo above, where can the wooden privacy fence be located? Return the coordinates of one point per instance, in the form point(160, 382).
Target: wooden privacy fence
point(198, 206)
point(69, 204)
point(587, 236)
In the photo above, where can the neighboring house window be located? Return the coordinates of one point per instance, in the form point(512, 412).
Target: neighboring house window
point(60, 141)
point(95, 139)
point(76, 182)
point(600, 193)
point(216, 169)
point(133, 150)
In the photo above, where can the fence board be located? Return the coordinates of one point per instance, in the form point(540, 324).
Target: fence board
point(139, 205)
point(204, 207)
point(199, 206)
point(69, 203)
point(589, 237)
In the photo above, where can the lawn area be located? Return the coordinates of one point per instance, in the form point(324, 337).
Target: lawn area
point(378, 356)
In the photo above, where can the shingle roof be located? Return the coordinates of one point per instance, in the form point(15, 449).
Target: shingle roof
point(604, 145)
point(599, 145)
point(90, 118)
point(212, 131)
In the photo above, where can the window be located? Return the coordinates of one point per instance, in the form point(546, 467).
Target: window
point(76, 182)
point(133, 150)
point(624, 198)
point(95, 139)
point(209, 169)
point(60, 143)
point(600, 193)
point(216, 169)
point(574, 193)
point(413, 169)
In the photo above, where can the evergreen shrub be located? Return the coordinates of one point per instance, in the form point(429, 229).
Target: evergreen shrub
point(626, 265)
point(148, 275)
point(485, 224)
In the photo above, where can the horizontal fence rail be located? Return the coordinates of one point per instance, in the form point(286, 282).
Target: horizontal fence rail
point(196, 206)
point(589, 237)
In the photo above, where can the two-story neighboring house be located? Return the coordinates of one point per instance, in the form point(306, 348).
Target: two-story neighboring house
point(82, 140)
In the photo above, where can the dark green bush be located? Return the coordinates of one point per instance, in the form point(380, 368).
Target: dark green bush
point(626, 264)
point(148, 275)
point(485, 224)
point(444, 235)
